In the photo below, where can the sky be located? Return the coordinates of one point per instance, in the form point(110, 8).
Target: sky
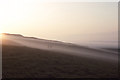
point(70, 21)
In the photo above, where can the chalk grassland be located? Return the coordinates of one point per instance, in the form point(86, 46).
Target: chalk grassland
point(24, 62)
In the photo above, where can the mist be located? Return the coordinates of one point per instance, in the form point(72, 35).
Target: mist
point(66, 48)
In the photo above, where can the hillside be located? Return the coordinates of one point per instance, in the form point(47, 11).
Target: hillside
point(24, 62)
point(67, 48)
point(30, 57)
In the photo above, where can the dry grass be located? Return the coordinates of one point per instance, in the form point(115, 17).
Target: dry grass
point(24, 62)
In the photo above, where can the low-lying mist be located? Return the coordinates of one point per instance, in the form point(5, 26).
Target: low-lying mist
point(67, 48)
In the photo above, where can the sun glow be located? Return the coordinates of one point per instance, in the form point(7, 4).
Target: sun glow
point(0, 31)
point(2, 36)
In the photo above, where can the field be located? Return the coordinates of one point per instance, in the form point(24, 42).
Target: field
point(25, 62)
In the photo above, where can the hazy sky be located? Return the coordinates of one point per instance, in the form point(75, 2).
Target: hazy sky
point(65, 21)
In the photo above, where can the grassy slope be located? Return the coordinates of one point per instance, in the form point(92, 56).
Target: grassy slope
point(112, 49)
point(24, 62)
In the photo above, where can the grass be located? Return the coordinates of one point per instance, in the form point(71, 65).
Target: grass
point(113, 49)
point(24, 62)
